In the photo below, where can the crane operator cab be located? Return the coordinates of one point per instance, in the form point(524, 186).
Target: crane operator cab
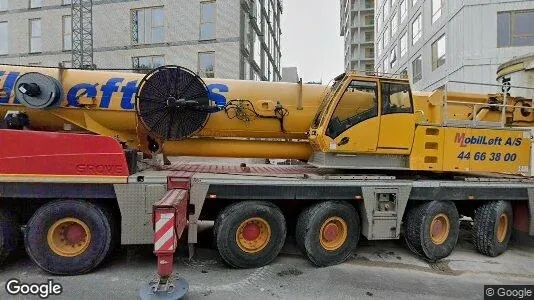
point(364, 121)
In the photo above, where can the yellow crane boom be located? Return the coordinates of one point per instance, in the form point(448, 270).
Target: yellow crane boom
point(358, 122)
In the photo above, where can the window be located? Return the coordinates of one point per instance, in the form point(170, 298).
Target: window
point(403, 44)
point(4, 38)
point(379, 47)
point(35, 3)
point(35, 36)
point(246, 33)
point(67, 33)
point(417, 69)
point(393, 57)
point(208, 14)
point(358, 103)
point(3, 5)
point(378, 24)
point(387, 5)
point(147, 25)
point(396, 98)
point(206, 64)
point(386, 37)
point(416, 29)
point(515, 28)
point(144, 64)
point(403, 10)
point(67, 2)
point(394, 24)
point(257, 49)
point(246, 70)
point(436, 9)
point(439, 49)
point(369, 36)
point(369, 20)
point(414, 2)
point(369, 52)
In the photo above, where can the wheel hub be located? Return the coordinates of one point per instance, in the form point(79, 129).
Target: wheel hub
point(502, 228)
point(439, 229)
point(69, 237)
point(251, 231)
point(333, 233)
point(253, 235)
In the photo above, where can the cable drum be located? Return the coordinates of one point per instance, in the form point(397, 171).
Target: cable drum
point(173, 102)
point(39, 91)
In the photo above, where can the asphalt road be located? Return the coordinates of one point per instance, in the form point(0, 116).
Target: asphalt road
point(378, 270)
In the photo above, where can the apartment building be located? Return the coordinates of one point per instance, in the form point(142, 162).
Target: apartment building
point(237, 39)
point(357, 27)
point(436, 41)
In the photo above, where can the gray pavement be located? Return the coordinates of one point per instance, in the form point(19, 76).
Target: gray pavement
point(379, 269)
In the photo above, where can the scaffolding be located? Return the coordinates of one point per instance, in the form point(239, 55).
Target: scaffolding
point(82, 34)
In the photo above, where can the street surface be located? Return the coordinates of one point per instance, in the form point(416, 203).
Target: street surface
point(379, 269)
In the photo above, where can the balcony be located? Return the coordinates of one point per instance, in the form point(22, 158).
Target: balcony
point(363, 6)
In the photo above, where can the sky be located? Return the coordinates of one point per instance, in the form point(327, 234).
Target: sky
point(311, 40)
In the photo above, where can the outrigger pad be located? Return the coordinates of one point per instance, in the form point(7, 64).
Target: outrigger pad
point(177, 289)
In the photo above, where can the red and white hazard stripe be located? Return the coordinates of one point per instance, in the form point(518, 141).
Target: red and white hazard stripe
point(164, 238)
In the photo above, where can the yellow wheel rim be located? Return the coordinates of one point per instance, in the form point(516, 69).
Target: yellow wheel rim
point(439, 229)
point(69, 237)
point(253, 235)
point(502, 228)
point(333, 233)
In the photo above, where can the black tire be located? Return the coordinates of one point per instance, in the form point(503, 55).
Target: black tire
point(10, 234)
point(486, 222)
point(228, 222)
point(308, 232)
point(417, 229)
point(37, 247)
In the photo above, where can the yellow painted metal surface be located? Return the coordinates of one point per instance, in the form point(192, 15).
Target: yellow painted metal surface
point(427, 151)
point(115, 115)
point(396, 133)
point(103, 103)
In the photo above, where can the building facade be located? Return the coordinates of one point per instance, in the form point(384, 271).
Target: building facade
point(357, 26)
point(237, 39)
point(435, 41)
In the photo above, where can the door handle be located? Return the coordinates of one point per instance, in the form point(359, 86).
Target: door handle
point(343, 141)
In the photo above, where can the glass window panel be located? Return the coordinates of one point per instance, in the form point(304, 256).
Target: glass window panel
point(403, 10)
point(503, 29)
point(3, 5)
point(417, 69)
point(436, 9)
point(416, 29)
point(35, 3)
point(157, 17)
point(4, 38)
point(403, 44)
point(524, 23)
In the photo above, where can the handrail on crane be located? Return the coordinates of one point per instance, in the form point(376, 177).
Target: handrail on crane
point(474, 122)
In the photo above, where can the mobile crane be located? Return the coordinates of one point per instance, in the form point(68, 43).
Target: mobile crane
point(381, 160)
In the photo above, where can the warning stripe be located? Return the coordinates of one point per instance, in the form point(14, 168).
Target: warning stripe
point(164, 232)
point(163, 219)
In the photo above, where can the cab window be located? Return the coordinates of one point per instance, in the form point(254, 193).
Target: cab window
point(396, 98)
point(358, 103)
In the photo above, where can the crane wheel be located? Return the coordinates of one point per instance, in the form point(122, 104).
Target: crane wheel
point(431, 229)
point(328, 232)
point(9, 234)
point(250, 234)
point(492, 227)
point(68, 237)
